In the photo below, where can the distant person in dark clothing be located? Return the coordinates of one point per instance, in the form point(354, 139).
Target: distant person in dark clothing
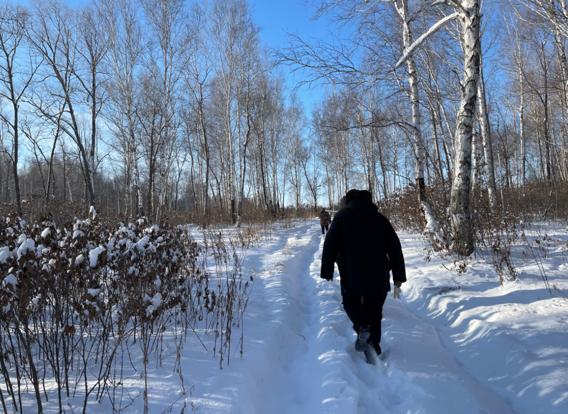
point(325, 220)
point(365, 247)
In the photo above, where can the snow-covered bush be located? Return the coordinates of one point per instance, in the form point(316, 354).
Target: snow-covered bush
point(75, 301)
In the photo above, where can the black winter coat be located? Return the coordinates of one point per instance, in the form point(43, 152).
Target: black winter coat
point(365, 246)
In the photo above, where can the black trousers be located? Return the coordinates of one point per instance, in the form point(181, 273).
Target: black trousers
point(324, 228)
point(367, 311)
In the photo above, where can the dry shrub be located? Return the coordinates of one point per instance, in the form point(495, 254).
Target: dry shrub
point(76, 301)
point(538, 200)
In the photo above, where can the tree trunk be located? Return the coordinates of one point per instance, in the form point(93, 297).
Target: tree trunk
point(489, 164)
point(460, 214)
point(522, 131)
point(417, 138)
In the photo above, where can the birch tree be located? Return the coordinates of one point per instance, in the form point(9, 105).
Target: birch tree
point(468, 13)
point(166, 22)
point(124, 59)
point(489, 165)
point(235, 39)
point(401, 7)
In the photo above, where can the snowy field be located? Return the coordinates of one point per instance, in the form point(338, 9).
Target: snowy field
point(454, 343)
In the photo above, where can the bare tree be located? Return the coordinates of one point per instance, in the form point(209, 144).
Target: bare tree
point(52, 37)
point(166, 20)
point(13, 24)
point(124, 58)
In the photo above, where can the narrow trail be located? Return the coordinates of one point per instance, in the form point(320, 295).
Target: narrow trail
point(307, 363)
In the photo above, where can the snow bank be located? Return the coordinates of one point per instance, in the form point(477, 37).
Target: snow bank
point(511, 339)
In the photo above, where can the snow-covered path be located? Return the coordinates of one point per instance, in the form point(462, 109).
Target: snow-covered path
point(299, 354)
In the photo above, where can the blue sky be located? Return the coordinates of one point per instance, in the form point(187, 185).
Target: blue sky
point(276, 20)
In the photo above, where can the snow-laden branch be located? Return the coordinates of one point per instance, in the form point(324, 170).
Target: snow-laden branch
point(435, 27)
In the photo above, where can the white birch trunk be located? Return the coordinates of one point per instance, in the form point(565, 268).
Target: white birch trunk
point(476, 163)
point(489, 164)
point(431, 226)
point(417, 138)
point(460, 214)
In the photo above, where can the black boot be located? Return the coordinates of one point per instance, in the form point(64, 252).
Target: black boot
point(363, 336)
point(376, 345)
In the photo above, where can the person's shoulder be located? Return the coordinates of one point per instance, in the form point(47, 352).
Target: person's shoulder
point(382, 217)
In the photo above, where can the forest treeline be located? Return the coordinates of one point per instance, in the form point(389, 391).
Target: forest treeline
point(175, 109)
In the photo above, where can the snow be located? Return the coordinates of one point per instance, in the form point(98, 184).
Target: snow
point(155, 302)
point(5, 254)
point(79, 260)
point(152, 229)
point(511, 339)
point(11, 279)
point(432, 227)
point(93, 292)
point(46, 233)
point(456, 343)
point(501, 353)
point(142, 243)
point(94, 255)
point(26, 245)
point(92, 212)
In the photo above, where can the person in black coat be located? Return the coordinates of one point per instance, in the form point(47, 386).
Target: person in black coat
point(325, 219)
point(365, 247)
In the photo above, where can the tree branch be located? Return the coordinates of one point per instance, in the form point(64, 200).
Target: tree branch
point(437, 26)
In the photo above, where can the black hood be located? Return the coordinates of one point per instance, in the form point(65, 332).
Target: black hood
point(362, 206)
